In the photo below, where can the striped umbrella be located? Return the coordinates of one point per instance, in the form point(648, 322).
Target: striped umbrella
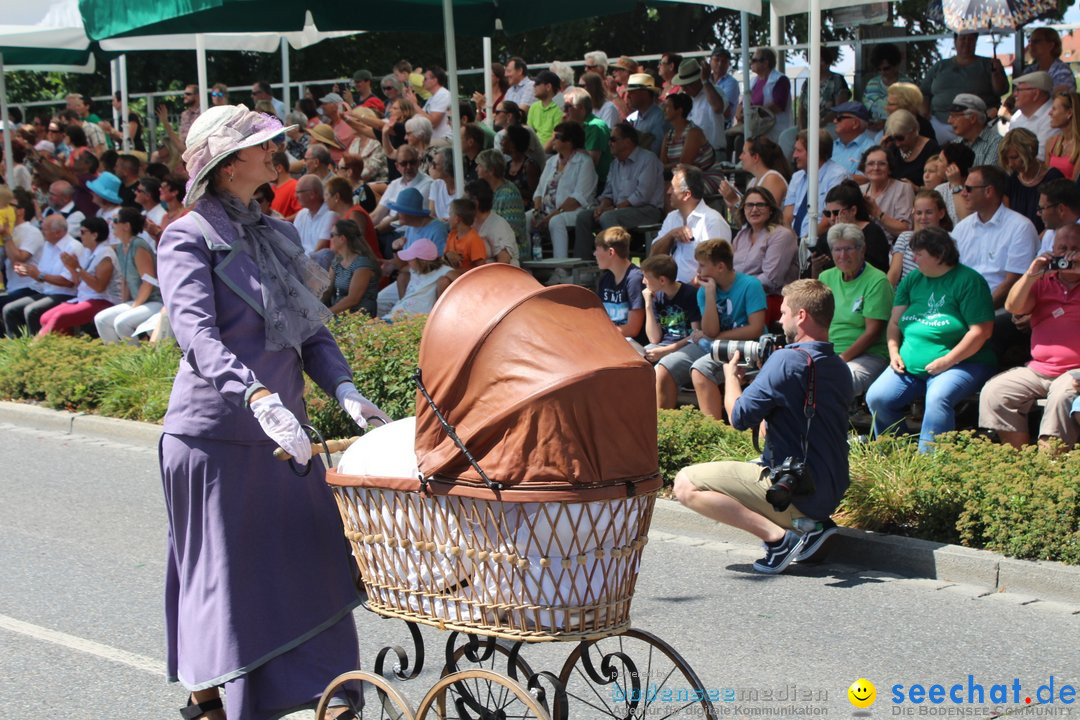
point(976, 15)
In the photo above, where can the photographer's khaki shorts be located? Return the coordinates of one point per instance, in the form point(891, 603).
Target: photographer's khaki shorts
point(744, 482)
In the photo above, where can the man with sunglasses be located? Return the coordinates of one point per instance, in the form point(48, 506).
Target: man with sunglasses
point(384, 219)
point(190, 111)
point(852, 138)
point(1059, 206)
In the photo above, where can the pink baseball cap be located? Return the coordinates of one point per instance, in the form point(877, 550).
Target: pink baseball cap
point(422, 249)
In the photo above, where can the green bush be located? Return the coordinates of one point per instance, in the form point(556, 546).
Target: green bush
point(1023, 504)
point(687, 436)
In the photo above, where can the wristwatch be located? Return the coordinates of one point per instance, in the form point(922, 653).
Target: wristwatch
point(41, 277)
point(956, 189)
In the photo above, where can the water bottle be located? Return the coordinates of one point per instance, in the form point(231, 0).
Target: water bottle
point(537, 247)
point(804, 525)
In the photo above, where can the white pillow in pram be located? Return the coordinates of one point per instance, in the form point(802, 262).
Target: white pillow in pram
point(386, 451)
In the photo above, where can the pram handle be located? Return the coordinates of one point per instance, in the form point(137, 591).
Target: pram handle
point(331, 446)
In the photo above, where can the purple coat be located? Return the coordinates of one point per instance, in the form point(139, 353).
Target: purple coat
point(214, 300)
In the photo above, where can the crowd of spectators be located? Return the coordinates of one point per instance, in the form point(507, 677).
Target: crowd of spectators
point(940, 204)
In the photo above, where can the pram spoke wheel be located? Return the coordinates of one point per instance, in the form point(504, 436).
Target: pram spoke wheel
point(632, 676)
point(487, 653)
point(479, 695)
point(356, 687)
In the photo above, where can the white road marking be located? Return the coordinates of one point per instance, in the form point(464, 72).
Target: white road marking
point(139, 662)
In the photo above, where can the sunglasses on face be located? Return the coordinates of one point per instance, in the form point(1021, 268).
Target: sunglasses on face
point(831, 213)
point(217, 93)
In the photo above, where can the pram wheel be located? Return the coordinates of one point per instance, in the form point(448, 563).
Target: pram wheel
point(356, 686)
point(632, 676)
point(479, 695)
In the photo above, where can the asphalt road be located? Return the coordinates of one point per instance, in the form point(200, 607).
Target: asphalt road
point(81, 560)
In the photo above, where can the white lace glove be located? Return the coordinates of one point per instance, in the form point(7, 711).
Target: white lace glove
point(281, 426)
point(359, 408)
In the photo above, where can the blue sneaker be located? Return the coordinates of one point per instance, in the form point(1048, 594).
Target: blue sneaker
point(778, 557)
point(814, 540)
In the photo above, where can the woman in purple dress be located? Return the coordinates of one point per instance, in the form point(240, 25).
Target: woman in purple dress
point(259, 585)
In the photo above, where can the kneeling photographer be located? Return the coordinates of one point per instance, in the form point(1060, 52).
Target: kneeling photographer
point(802, 392)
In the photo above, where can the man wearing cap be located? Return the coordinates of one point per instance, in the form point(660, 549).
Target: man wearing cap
point(545, 114)
point(852, 138)
point(521, 87)
point(647, 117)
point(383, 216)
point(364, 96)
point(1032, 93)
point(315, 221)
point(708, 110)
point(633, 194)
point(966, 72)
point(967, 118)
point(726, 85)
point(331, 108)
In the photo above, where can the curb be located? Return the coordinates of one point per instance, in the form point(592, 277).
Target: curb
point(866, 550)
point(908, 557)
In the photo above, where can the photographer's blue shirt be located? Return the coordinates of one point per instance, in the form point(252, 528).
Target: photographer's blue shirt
point(735, 305)
point(777, 395)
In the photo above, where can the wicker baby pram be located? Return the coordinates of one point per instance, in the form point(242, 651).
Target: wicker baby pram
point(516, 506)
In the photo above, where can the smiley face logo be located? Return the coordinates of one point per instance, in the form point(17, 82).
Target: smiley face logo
point(862, 693)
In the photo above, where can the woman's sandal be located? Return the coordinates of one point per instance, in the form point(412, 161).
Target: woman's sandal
point(195, 710)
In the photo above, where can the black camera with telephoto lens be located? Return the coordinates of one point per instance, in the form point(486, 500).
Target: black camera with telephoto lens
point(790, 479)
point(1059, 262)
point(754, 352)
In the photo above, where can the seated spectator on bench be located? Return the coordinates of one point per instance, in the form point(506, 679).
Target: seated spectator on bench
point(685, 143)
point(864, 300)
point(465, 248)
point(765, 248)
point(354, 273)
point(1051, 300)
point(634, 193)
point(620, 283)
point(498, 236)
point(942, 316)
point(506, 200)
point(689, 223)
point(578, 107)
point(97, 276)
point(55, 280)
point(140, 298)
point(426, 268)
point(567, 188)
point(384, 217)
point(1059, 205)
point(732, 307)
point(765, 160)
point(672, 318)
point(418, 224)
point(845, 204)
point(930, 211)
point(20, 242)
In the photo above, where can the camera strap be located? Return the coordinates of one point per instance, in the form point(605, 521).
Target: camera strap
point(809, 404)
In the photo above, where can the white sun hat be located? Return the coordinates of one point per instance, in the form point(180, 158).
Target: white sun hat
point(219, 132)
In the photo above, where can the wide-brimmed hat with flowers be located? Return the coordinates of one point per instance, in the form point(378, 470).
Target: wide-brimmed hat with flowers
point(218, 133)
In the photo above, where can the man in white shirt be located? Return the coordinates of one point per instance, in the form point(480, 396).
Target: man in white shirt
point(997, 242)
point(633, 194)
point(691, 222)
point(262, 91)
point(1059, 205)
point(148, 197)
point(437, 107)
point(384, 219)
point(315, 221)
point(53, 282)
point(22, 245)
point(1033, 103)
point(521, 90)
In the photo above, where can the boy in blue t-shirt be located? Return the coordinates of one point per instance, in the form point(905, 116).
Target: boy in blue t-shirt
point(732, 308)
point(672, 315)
point(620, 283)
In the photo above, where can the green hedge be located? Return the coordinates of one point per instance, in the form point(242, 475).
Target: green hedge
point(1023, 504)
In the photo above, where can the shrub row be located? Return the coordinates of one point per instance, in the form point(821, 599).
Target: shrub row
point(1023, 504)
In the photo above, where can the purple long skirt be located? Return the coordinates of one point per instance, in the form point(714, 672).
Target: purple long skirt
point(260, 584)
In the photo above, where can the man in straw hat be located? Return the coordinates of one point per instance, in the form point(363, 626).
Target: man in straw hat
point(647, 117)
point(708, 110)
point(259, 587)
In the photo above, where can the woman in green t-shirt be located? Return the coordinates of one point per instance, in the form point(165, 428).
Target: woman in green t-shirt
point(942, 316)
